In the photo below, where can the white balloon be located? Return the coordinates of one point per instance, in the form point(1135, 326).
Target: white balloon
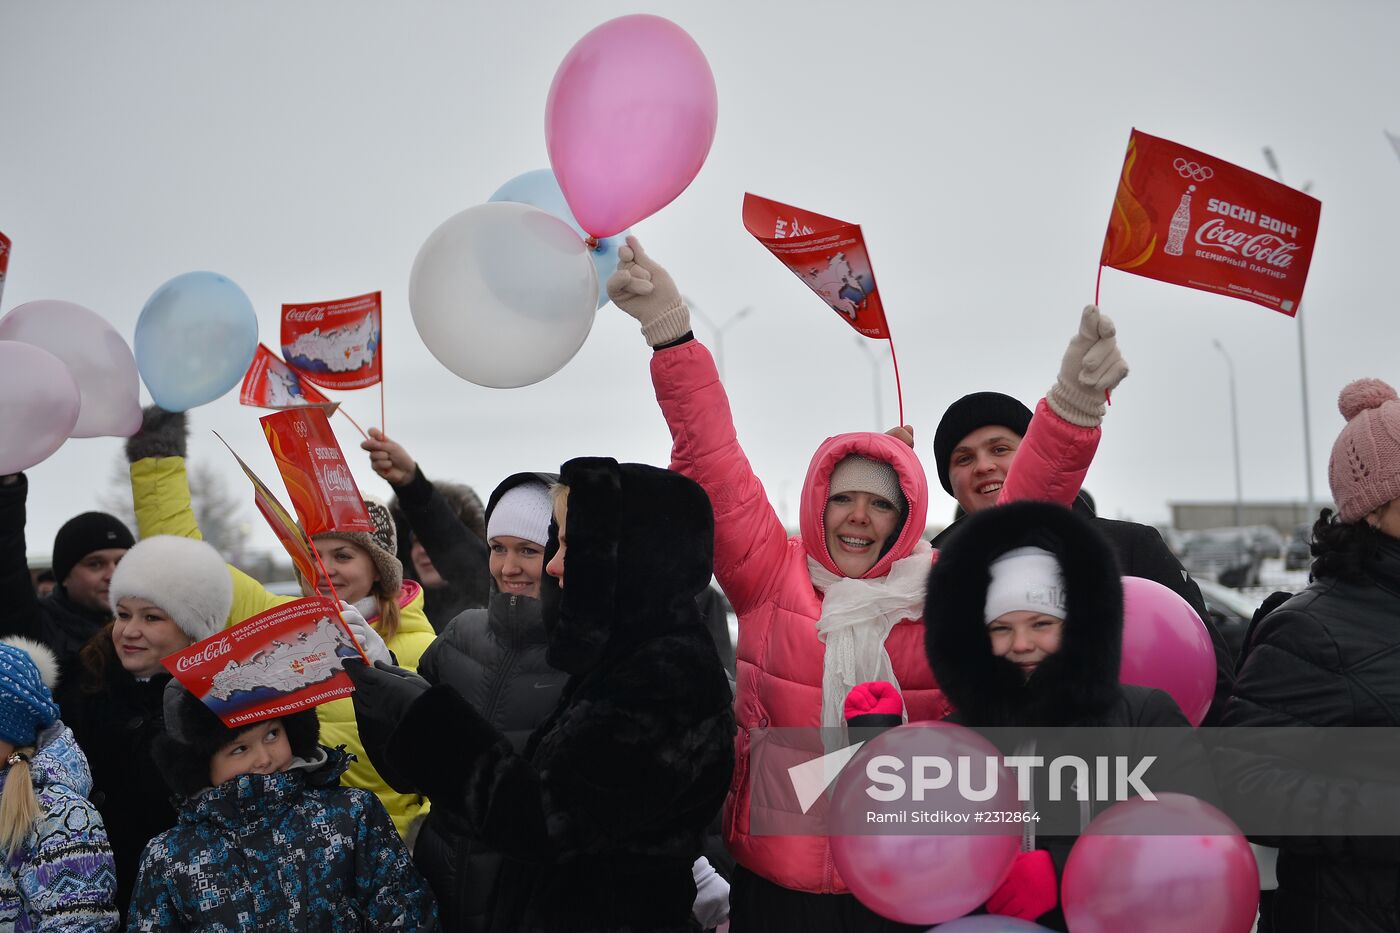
point(503, 294)
point(94, 353)
point(39, 403)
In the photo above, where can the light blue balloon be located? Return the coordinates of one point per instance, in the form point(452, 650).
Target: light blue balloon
point(540, 189)
point(194, 340)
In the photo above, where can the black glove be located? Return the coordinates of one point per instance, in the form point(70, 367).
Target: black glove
point(383, 697)
point(162, 434)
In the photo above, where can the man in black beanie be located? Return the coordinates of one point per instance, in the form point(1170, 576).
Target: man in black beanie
point(973, 450)
point(85, 552)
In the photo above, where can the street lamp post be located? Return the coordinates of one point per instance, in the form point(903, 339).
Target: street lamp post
point(718, 332)
point(1234, 436)
point(1302, 351)
point(875, 377)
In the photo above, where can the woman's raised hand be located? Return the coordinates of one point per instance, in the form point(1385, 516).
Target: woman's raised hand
point(643, 289)
point(1091, 368)
point(389, 459)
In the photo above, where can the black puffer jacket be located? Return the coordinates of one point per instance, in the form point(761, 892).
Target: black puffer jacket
point(494, 658)
point(446, 519)
point(1076, 686)
point(116, 728)
point(604, 813)
point(1329, 656)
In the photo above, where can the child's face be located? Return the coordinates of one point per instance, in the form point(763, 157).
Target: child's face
point(259, 749)
point(1025, 637)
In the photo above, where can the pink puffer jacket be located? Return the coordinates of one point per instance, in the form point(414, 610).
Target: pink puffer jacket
point(765, 575)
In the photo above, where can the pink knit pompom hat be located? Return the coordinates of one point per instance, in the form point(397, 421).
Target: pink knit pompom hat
point(1365, 469)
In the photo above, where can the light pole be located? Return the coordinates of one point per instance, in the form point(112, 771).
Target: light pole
point(1302, 351)
point(1235, 437)
point(875, 376)
point(718, 332)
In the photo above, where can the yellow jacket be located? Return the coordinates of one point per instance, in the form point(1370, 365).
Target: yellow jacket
point(161, 492)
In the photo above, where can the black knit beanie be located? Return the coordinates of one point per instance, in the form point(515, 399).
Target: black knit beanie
point(968, 414)
point(83, 534)
point(193, 733)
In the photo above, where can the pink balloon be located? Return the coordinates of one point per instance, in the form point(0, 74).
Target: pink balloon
point(1165, 645)
point(630, 118)
point(96, 355)
point(921, 872)
point(1123, 874)
point(39, 403)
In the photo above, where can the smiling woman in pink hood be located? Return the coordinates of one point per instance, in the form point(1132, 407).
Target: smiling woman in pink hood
point(842, 602)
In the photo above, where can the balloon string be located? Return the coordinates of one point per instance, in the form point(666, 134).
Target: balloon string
point(898, 391)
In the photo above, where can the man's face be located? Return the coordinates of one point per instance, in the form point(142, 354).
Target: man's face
point(90, 577)
point(978, 466)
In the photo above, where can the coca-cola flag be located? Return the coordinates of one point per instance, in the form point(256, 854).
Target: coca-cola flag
point(271, 383)
point(298, 546)
point(318, 479)
point(335, 344)
point(276, 663)
point(4, 261)
point(1188, 218)
point(828, 255)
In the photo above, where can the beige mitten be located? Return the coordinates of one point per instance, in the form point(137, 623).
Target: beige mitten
point(644, 290)
point(1091, 368)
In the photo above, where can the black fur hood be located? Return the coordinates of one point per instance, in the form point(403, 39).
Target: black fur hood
point(640, 549)
point(1078, 684)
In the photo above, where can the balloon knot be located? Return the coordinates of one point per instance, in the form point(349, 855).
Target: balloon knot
point(591, 242)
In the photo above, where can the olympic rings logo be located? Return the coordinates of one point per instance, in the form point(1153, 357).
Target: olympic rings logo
point(1193, 170)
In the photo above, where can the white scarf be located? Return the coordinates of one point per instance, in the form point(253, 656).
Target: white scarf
point(857, 616)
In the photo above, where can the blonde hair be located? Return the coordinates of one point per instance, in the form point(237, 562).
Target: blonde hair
point(388, 622)
point(19, 808)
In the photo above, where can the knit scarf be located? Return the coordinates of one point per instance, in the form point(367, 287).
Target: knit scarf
point(857, 616)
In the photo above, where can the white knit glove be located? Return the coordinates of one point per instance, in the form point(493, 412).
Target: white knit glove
point(370, 642)
point(1092, 367)
point(645, 290)
point(711, 894)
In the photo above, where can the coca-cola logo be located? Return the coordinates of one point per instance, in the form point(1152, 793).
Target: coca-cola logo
point(208, 653)
point(337, 479)
point(1260, 247)
point(306, 314)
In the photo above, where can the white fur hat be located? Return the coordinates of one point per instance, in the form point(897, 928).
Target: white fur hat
point(186, 578)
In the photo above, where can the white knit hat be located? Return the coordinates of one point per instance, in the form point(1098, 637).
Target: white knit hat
point(1025, 579)
point(861, 474)
point(524, 512)
point(186, 578)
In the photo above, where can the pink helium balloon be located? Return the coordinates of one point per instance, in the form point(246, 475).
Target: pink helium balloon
point(1165, 645)
point(921, 872)
point(95, 354)
point(1124, 873)
point(39, 403)
point(630, 118)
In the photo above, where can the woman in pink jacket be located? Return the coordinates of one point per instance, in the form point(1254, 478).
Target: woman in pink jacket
point(837, 605)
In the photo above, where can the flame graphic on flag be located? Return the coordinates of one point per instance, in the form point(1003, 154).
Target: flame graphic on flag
point(1130, 241)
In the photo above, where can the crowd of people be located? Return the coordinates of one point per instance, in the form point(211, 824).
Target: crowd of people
point(554, 731)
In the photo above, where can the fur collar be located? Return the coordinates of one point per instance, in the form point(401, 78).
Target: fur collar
point(1075, 686)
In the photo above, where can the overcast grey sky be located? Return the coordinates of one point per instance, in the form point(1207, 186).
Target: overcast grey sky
point(306, 151)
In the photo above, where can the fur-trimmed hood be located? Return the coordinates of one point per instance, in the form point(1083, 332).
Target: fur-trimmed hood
point(1076, 685)
point(640, 548)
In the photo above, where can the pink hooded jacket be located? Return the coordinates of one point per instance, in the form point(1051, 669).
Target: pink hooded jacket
point(765, 575)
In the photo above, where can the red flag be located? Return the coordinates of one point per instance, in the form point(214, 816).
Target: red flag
point(312, 465)
point(277, 662)
point(298, 546)
point(828, 255)
point(4, 261)
point(335, 344)
point(271, 383)
point(1187, 218)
